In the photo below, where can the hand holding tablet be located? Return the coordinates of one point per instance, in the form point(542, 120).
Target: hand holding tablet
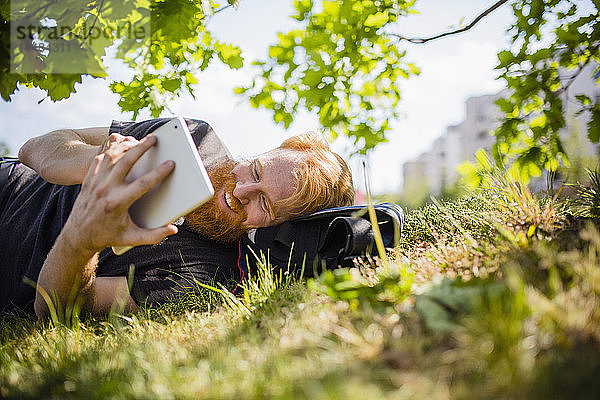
point(184, 190)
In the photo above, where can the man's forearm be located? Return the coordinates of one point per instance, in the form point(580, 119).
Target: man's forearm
point(67, 274)
point(63, 156)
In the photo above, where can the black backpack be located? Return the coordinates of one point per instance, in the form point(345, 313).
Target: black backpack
point(324, 239)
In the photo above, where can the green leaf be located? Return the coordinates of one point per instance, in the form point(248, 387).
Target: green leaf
point(505, 57)
point(312, 78)
point(442, 306)
point(230, 55)
point(303, 7)
point(330, 8)
point(171, 85)
point(594, 125)
point(276, 52)
point(190, 78)
point(583, 99)
point(377, 20)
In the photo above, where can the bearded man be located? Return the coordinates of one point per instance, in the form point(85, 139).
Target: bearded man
point(66, 203)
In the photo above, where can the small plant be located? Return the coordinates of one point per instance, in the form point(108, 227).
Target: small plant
point(377, 287)
point(587, 200)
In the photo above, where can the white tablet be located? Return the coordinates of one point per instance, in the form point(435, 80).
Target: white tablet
point(185, 189)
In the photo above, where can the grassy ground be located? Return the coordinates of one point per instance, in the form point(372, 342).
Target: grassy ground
point(495, 295)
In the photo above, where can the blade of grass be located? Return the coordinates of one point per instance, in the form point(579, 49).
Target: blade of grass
point(373, 218)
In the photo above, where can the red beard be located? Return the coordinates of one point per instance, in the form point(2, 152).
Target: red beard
point(209, 219)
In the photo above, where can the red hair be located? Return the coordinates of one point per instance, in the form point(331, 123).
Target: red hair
point(323, 178)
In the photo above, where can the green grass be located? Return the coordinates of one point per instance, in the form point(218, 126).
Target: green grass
point(495, 295)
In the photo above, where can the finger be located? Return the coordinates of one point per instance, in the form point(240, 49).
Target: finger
point(117, 147)
point(127, 145)
point(127, 139)
point(125, 163)
point(143, 184)
point(112, 138)
point(93, 170)
point(140, 236)
point(112, 149)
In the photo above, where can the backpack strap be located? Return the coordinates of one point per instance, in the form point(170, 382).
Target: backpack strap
point(327, 238)
point(346, 235)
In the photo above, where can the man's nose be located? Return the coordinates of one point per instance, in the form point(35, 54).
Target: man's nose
point(243, 191)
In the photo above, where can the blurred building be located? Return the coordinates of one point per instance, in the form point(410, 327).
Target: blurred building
point(436, 169)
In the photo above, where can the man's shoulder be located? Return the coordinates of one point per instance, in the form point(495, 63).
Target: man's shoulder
point(197, 127)
point(210, 147)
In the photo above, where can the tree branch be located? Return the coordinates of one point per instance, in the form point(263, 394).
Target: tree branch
point(466, 28)
point(94, 24)
point(44, 7)
point(223, 8)
point(579, 69)
point(207, 17)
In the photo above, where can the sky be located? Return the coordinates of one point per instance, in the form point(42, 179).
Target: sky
point(452, 69)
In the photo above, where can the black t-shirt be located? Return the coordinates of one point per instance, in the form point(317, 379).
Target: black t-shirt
point(33, 212)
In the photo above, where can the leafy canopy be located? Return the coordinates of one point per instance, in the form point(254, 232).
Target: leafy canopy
point(163, 44)
point(344, 62)
point(553, 43)
point(340, 64)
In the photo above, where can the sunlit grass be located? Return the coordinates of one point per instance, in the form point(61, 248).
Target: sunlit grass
point(495, 295)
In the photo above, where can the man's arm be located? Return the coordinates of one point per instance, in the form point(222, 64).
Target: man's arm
point(100, 219)
point(63, 156)
point(98, 295)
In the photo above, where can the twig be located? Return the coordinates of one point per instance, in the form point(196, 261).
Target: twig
point(217, 11)
point(466, 28)
point(44, 7)
point(579, 69)
point(95, 20)
point(223, 8)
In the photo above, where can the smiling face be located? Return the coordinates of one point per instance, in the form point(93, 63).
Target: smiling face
point(247, 195)
point(263, 183)
point(299, 177)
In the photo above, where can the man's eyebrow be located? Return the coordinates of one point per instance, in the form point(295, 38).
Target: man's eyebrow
point(270, 206)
